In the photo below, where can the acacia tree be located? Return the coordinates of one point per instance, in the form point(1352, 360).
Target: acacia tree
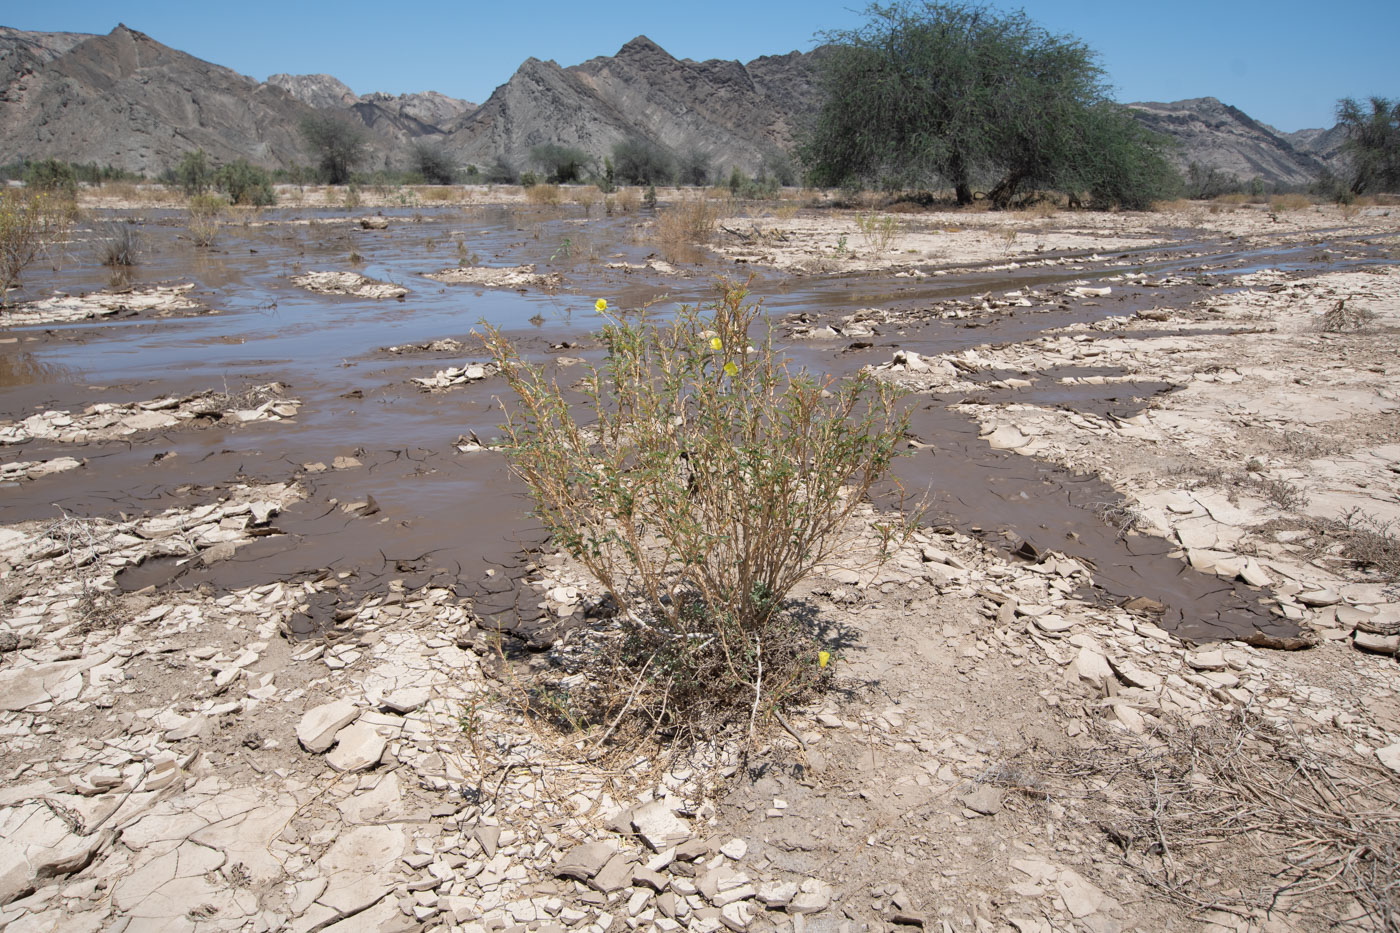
point(339, 145)
point(1372, 143)
point(960, 94)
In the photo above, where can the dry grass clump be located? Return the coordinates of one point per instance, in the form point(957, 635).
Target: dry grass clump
point(117, 244)
point(1239, 815)
point(1234, 200)
point(1178, 204)
point(545, 195)
point(687, 224)
point(699, 483)
point(442, 194)
point(1289, 202)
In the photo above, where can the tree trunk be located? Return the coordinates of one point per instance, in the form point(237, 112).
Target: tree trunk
point(1004, 191)
point(964, 191)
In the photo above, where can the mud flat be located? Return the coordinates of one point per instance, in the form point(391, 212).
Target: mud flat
point(266, 659)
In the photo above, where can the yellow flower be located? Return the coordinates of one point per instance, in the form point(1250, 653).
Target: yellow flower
point(715, 344)
point(731, 369)
point(823, 659)
point(600, 305)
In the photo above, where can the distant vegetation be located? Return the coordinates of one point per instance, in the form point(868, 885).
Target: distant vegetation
point(338, 145)
point(1372, 144)
point(957, 95)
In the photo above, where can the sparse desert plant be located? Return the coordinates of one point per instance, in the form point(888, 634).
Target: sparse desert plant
point(350, 197)
point(31, 222)
point(877, 230)
point(702, 480)
point(117, 244)
point(1340, 319)
point(205, 213)
point(338, 143)
point(642, 162)
point(433, 163)
point(585, 197)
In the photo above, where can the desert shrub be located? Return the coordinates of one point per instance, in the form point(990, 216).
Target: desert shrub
point(31, 222)
point(693, 168)
point(561, 165)
point(529, 179)
point(1339, 318)
point(433, 164)
point(117, 244)
point(702, 480)
point(641, 162)
point(204, 217)
point(502, 172)
point(245, 184)
point(51, 175)
point(194, 174)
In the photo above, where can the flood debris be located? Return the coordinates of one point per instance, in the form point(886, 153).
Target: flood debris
point(498, 277)
point(455, 376)
point(156, 300)
point(348, 283)
point(107, 420)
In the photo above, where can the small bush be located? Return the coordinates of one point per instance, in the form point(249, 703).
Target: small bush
point(703, 482)
point(52, 175)
point(205, 217)
point(1339, 318)
point(31, 222)
point(877, 230)
point(117, 245)
point(194, 174)
point(245, 184)
point(687, 224)
point(694, 169)
point(502, 172)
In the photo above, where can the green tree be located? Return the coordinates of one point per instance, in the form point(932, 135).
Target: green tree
point(562, 165)
point(641, 162)
point(959, 94)
point(194, 174)
point(1372, 144)
point(339, 145)
point(694, 169)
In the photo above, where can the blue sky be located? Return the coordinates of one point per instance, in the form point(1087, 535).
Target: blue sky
point(1283, 62)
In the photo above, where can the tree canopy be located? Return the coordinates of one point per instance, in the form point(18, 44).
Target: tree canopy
point(1372, 143)
point(959, 94)
point(339, 145)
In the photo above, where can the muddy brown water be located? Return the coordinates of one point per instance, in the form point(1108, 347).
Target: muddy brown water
point(459, 519)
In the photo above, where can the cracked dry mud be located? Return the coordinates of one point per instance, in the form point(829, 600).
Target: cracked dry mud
point(243, 690)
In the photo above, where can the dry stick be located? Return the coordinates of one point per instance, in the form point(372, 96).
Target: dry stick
point(757, 686)
point(636, 686)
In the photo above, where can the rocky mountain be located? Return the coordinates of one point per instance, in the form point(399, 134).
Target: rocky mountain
point(402, 118)
point(734, 114)
point(127, 100)
point(1229, 140)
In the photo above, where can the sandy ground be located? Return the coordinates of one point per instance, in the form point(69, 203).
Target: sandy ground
point(1004, 750)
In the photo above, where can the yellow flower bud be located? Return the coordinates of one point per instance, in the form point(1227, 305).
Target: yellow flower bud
point(715, 344)
point(600, 305)
point(731, 369)
point(823, 659)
